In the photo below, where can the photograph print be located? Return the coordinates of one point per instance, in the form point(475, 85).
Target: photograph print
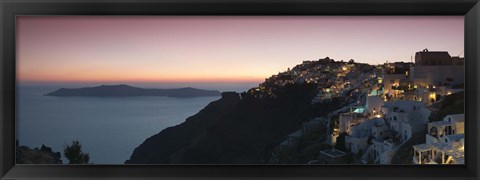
point(302, 90)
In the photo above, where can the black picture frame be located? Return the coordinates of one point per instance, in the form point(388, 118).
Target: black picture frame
point(11, 8)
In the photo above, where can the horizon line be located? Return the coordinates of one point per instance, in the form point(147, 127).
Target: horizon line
point(249, 80)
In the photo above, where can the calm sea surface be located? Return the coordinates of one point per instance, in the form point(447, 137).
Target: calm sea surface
point(108, 128)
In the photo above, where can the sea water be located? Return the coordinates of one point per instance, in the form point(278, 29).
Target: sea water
point(108, 128)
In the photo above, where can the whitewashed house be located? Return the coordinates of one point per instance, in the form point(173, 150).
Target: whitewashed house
point(349, 120)
point(444, 142)
point(381, 137)
point(405, 117)
point(357, 141)
point(374, 104)
point(383, 151)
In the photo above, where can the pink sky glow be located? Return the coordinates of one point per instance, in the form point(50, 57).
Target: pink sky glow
point(216, 49)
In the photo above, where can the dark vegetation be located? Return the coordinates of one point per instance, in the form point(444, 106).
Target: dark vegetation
point(365, 68)
point(42, 155)
point(45, 155)
point(452, 104)
point(75, 155)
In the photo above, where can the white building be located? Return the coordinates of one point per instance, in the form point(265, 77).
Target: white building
point(435, 75)
point(444, 142)
point(333, 137)
point(379, 138)
point(436, 72)
point(451, 124)
point(382, 151)
point(356, 144)
point(406, 118)
point(374, 104)
point(357, 141)
point(348, 120)
point(394, 75)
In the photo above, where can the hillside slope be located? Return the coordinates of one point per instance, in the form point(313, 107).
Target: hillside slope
point(231, 130)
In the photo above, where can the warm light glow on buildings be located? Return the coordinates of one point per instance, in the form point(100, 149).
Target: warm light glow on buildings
point(433, 96)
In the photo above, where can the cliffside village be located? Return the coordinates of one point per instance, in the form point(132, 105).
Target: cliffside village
point(390, 119)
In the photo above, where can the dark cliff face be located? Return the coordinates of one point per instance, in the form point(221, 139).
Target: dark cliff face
point(232, 130)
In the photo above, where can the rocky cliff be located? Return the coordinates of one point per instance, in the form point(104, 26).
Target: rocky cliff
point(42, 155)
point(236, 129)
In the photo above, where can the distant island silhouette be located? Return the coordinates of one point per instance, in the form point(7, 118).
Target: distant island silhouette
point(123, 90)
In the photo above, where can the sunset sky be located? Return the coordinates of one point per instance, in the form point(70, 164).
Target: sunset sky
point(216, 49)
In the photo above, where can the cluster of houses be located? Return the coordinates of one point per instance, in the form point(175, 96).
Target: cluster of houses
point(444, 142)
point(398, 107)
point(395, 106)
point(377, 132)
point(333, 79)
point(434, 75)
point(346, 81)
